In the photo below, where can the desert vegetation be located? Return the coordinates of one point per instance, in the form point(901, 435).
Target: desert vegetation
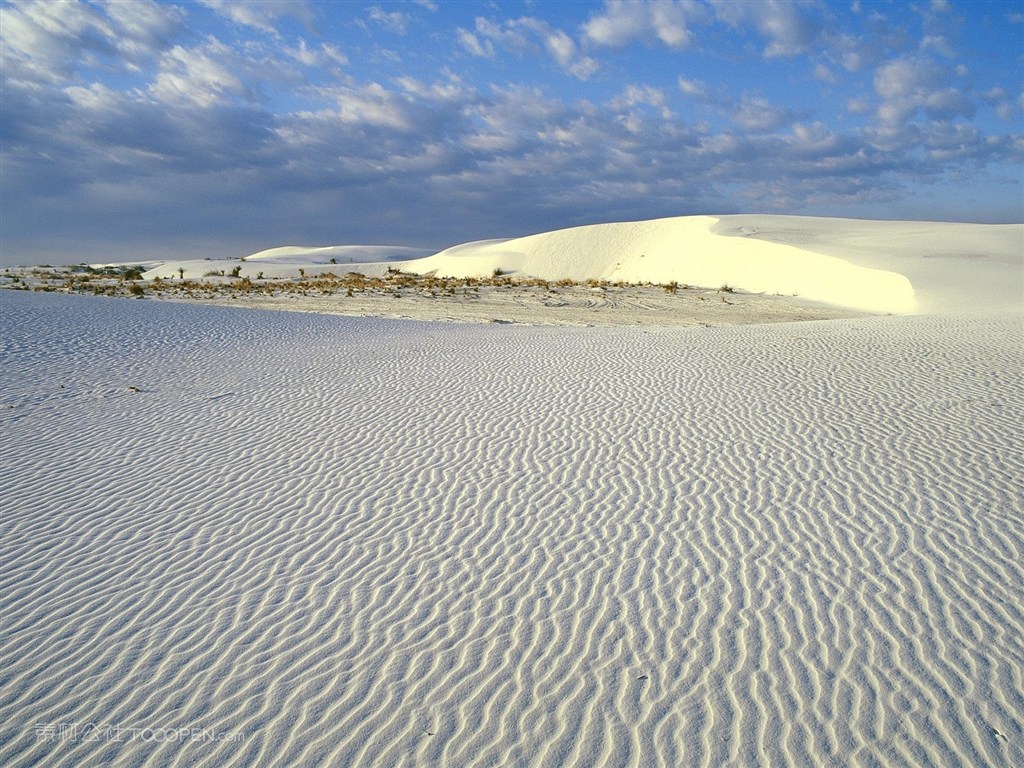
point(220, 283)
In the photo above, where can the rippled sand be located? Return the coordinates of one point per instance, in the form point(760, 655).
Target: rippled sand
point(302, 539)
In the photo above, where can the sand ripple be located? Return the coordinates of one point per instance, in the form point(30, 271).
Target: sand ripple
point(333, 541)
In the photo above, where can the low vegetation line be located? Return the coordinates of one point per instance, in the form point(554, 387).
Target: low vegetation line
point(126, 281)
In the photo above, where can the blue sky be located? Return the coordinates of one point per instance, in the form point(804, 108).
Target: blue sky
point(216, 128)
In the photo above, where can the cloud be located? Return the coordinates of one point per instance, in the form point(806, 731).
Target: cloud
point(476, 45)
point(46, 42)
point(824, 74)
point(785, 25)
point(197, 75)
point(524, 35)
point(621, 23)
point(372, 105)
point(323, 55)
point(756, 113)
point(263, 15)
point(636, 95)
point(913, 83)
point(393, 21)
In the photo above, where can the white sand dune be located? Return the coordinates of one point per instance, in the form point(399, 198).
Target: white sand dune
point(683, 249)
point(291, 260)
point(263, 538)
point(874, 266)
point(954, 268)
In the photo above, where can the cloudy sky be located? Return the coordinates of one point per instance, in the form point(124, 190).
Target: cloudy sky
point(140, 129)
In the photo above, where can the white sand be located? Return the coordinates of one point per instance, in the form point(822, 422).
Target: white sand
point(335, 541)
point(873, 266)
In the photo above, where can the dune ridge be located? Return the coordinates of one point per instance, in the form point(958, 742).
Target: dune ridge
point(898, 267)
point(368, 542)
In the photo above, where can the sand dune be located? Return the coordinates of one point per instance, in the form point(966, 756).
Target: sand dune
point(307, 540)
point(683, 249)
point(872, 266)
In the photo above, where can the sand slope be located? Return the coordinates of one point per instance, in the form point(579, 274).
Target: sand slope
point(337, 541)
point(683, 249)
point(874, 266)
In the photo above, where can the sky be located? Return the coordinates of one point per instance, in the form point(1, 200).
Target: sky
point(133, 129)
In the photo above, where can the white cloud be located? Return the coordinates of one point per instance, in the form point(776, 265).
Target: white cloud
point(564, 51)
point(47, 42)
point(858, 106)
point(197, 75)
point(813, 138)
point(393, 21)
point(782, 23)
point(473, 44)
point(911, 83)
point(95, 96)
point(440, 92)
point(373, 105)
point(756, 113)
point(635, 95)
point(824, 74)
point(323, 55)
point(523, 35)
point(261, 14)
point(621, 23)
point(695, 89)
point(143, 26)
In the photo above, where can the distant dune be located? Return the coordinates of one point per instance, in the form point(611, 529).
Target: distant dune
point(875, 266)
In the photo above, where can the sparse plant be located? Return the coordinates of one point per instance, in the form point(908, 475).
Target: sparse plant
point(726, 288)
point(132, 273)
point(136, 290)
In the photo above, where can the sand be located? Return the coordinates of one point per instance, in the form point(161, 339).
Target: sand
point(235, 538)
